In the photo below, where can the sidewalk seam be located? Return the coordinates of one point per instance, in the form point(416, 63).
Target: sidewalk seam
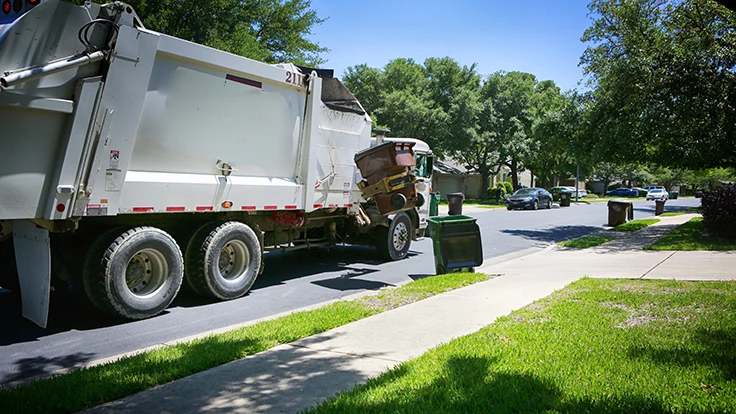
point(340, 353)
point(657, 265)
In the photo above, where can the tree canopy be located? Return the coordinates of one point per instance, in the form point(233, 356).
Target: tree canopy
point(264, 30)
point(505, 119)
point(664, 82)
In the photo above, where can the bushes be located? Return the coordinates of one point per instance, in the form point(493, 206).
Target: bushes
point(507, 187)
point(719, 211)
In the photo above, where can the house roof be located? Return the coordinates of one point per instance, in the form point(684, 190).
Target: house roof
point(445, 168)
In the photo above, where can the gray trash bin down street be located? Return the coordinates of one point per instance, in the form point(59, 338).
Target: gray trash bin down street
point(455, 203)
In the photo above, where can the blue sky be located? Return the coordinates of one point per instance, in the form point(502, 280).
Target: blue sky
point(535, 36)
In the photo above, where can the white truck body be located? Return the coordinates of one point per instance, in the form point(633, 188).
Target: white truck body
point(138, 127)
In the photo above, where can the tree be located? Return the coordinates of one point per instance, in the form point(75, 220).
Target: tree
point(509, 118)
point(264, 30)
point(664, 82)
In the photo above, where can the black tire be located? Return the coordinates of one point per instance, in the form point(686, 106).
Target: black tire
point(135, 274)
point(509, 208)
point(393, 242)
point(223, 260)
point(535, 205)
point(549, 204)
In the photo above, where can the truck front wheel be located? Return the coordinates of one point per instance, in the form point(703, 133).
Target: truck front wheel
point(135, 273)
point(223, 260)
point(393, 242)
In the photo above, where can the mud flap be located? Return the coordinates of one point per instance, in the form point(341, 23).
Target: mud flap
point(33, 259)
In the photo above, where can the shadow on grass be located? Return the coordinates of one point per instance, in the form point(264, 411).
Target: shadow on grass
point(716, 350)
point(468, 385)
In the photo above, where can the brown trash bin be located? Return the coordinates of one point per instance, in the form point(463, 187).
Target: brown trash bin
point(455, 203)
point(659, 207)
point(618, 211)
point(565, 199)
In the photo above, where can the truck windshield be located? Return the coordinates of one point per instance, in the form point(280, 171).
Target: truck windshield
point(424, 165)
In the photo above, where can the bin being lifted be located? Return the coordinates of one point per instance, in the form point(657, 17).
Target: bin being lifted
point(132, 162)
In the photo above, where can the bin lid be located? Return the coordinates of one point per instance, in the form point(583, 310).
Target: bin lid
point(458, 218)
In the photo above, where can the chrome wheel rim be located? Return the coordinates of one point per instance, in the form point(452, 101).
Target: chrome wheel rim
point(146, 272)
point(233, 260)
point(400, 236)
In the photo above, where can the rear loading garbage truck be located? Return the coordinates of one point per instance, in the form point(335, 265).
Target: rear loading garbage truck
point(133, 163)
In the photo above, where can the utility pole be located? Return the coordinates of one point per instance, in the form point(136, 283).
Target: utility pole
point(577, 179)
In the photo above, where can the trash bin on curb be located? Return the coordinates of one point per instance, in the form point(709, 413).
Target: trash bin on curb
point(618, 211)
point(434, 204)
point(456, 242)
point(674, 194)
point(564, 199)
point(659, 207)
point(455, 203)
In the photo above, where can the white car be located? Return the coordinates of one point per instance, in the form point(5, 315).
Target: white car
point(657, 194)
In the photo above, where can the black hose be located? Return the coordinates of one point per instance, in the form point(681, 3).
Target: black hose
point(83, 34)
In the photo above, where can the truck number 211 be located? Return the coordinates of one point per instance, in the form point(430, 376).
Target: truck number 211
point(294, 78)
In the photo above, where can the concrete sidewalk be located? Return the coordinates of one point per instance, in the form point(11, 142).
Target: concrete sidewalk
point(296, 376)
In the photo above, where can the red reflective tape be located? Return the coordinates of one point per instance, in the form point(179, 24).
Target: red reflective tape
point(93, 206)
point(205, 208)
point(348, 205)
point(290, 207)
point(244, 81)
point(178, 208)
point(248, 208)
point(142, 209)
point(334, 205)
point(270, 207)
point(318, 206)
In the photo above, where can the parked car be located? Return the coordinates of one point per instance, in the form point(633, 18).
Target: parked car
point(555, 191)
point(623, 192)
point(657, 194)
point(653, 187)
point(530, 198)
point(642, 191)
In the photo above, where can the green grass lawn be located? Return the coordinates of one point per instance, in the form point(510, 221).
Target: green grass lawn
point(635, 225)
point(597, 346)
point(92, 386)
point(689, 236)
point(585, 242)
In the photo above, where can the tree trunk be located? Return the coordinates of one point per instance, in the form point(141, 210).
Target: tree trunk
point(485, 177)
point(514, 175)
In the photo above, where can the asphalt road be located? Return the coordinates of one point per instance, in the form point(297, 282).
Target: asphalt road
point(76, 334)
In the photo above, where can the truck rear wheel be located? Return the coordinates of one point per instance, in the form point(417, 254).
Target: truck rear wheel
point(223, 260)
point(393, 242)
point(135, 273)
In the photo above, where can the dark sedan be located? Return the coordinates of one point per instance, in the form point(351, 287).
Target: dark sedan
point(532, 198)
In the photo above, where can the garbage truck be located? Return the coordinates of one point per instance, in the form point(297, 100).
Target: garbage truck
point(133, 163)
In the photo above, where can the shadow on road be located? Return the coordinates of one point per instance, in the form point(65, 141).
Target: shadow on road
point(553, 234)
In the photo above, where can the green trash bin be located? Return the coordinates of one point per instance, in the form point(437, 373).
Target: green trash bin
point(456, 242)
point(434, 204)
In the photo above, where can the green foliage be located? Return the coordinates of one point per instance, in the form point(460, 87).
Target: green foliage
point(266, 30)
point(663, 78)
point(598, 346)
point(719, 211)
point(690, 236)
point(508, 187)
